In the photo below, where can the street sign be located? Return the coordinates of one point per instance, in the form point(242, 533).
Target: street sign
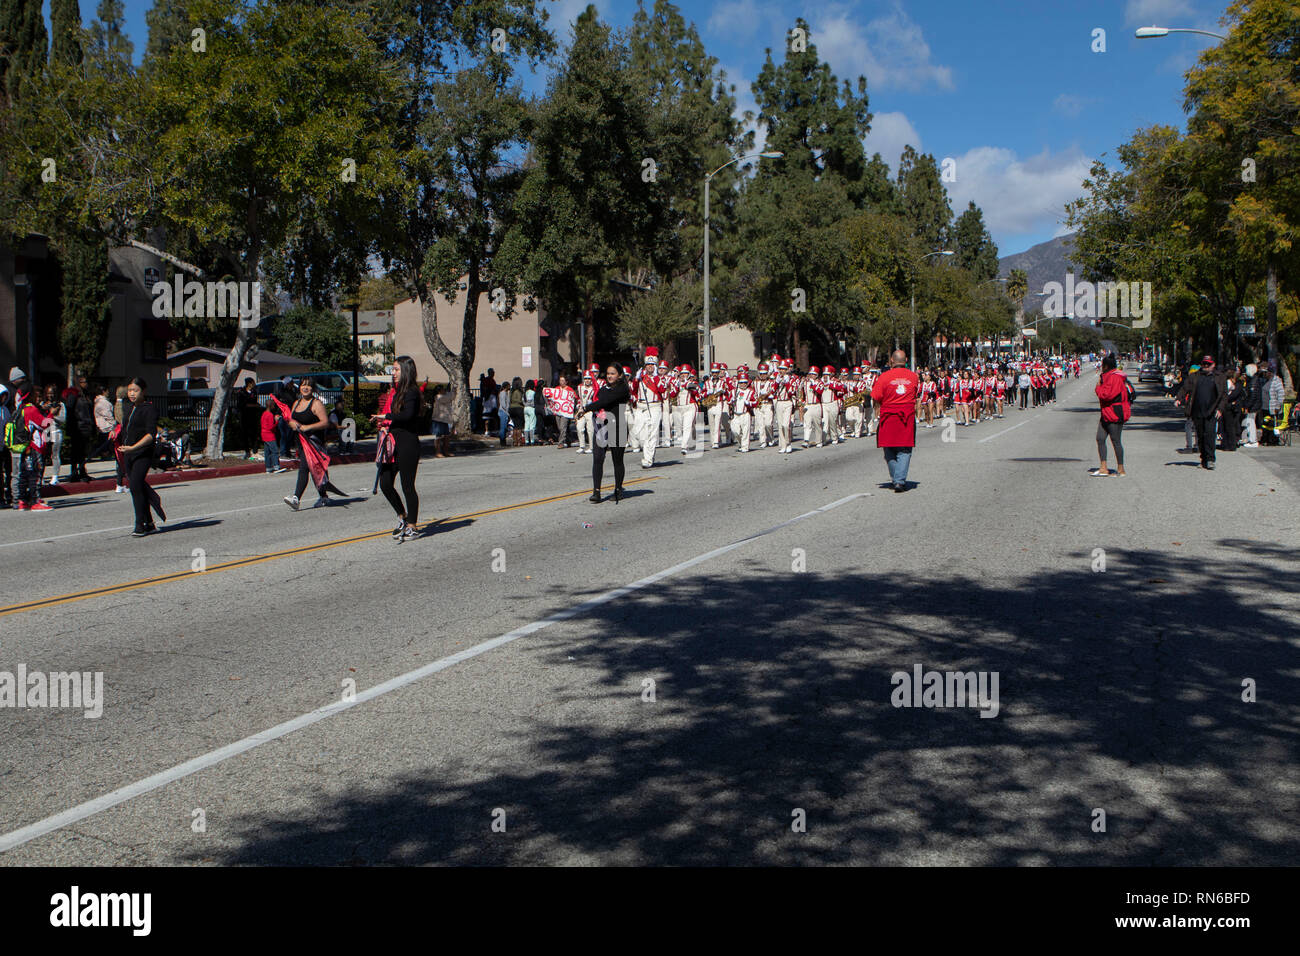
point(1029, 333)
point(1246, 320)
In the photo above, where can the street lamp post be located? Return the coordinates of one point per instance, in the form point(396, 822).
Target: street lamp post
point(1152, 33)
point(943, 252)
point(708, 329)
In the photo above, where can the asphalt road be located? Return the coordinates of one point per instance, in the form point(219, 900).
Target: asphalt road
point(502, 663)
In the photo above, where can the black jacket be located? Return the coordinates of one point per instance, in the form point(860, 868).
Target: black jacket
point(611, 399)
point(1187, 393)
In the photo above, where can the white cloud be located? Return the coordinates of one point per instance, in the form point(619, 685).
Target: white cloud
point(562, 14)
point(1067, 104)
point(890, 51)
point(740, 19)
point(890, 132)
point(1019, 196)
point(1157, 12)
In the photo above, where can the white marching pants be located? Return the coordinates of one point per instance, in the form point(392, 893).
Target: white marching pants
point(812, 424)
point(784, 417)
point(684, 422)
point(740, 425)
point(715, 424)
point(764, 416)
point(853, 420)
point(650, 424)
point(586, 429)
point(830, 421)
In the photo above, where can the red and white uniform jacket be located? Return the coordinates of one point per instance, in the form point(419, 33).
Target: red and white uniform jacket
point(650, 387)
point(783, 389)
point(928, 391)
point(812, 391)
point(830, 391)
point(744, 398)
point(685, 393)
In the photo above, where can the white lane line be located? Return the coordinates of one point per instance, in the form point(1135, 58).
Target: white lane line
point(1011, 429)
point(128, 527)
point(78, 813)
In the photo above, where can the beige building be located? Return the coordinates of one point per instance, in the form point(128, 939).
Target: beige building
point(526, 345)
point(734, 345)
point(204, 362)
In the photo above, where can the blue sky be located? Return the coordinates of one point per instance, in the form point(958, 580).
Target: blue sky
point(1009, 89)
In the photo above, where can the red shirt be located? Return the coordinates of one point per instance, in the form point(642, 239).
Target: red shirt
point(895, 390)
point(268, 426)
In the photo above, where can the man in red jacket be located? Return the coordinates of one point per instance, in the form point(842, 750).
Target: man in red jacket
point(894, 396)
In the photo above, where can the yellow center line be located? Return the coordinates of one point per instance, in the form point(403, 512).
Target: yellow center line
point(292, 552)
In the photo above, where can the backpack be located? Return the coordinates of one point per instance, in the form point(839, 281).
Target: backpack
point(17, 435)
point(1132, 392)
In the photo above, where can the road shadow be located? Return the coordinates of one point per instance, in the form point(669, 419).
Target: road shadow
point(1120, 691)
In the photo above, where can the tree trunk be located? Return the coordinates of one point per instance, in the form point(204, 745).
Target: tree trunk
point(230, 368)
point(457, 366)
point(1273, 353)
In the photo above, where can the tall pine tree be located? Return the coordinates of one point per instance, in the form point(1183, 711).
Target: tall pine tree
point(65, 32)
point(23, 44)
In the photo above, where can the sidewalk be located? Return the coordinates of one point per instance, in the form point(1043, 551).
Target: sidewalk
point(102, 473)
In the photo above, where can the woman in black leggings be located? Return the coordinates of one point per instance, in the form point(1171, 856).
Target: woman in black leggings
point(139, 433)
point(1112, 393)
point(611, 433)
point(308, 420)
point(403, 424)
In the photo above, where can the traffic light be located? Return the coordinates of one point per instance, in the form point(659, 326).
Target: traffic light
point(1095, 323)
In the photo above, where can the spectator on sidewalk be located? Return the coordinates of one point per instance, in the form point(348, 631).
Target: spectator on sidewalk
point(1205, 392)
point(6, 461)
point(271, 438)
point(441, 419)
point(1250, 405)
point(25, 438)
point(57, 413)
point(503, 410)
point(249, 414)
point(104, 422)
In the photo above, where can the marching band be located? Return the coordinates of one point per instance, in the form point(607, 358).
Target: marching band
point(759, 409)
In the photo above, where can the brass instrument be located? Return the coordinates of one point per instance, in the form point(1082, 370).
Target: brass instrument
point(708, 401)
point(856, 399)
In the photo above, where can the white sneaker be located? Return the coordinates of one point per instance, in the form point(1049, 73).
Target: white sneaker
point(119, 490)
point(291, 501)
point(54, 480)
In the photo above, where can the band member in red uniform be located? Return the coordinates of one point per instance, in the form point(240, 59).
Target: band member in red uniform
point(894, 395)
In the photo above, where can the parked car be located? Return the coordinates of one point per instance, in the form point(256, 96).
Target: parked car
point(1151, 373)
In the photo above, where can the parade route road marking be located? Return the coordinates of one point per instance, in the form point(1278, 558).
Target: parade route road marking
point(275, 556)
point(78, 813)
point(1011, 429)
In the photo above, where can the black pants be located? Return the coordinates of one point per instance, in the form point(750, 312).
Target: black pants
point(137, 470)
point(1024, 397)
point(598, 466)
point(407, 461)
point(304, 475)
point(6, 476)
point(1113, 431)
point(76, 445)
point(1204, 425)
